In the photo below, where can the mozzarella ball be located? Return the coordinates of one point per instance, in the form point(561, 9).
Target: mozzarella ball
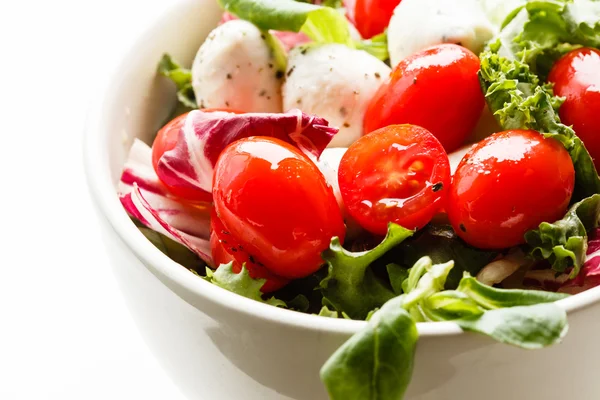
point(418, 24)
point(235, 68)
point(335, 82)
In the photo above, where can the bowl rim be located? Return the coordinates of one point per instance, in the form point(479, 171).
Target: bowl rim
point(104, 195)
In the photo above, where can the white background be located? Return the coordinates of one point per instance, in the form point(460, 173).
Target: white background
point(64, 331)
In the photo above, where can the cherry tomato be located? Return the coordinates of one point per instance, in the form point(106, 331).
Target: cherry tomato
point(576, 77)
point(165, 140)
point(277, 204)
point(436, 88)
point(508, 184)
point(225, 249)
point(399, 174)
point(371, 17)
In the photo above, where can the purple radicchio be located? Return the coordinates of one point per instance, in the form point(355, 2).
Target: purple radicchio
point(190, 164)
point(589, 276)
point(145, 198)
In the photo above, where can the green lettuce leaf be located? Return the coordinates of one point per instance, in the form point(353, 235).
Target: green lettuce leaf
point(377, 362)
point(518, 101)
point(377, 46)
point(182, 78)
point(321, 24)
point(351, 285)
point(241, 283)
point(564, 242)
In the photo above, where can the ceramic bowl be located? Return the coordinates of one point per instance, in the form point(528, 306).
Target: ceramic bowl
point(216, 344)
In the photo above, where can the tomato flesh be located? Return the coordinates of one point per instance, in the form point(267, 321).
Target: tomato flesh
point(508, 184)
point(437, 88)
point(576, 77)
point(396, 174)
point(277, 204)
point(371, 17)
point(225, 249)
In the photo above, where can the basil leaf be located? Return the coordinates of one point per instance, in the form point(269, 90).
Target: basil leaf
point(240, 283)
point(492, 298)
point(377, 362)
point(321, 24)
point(351, 286)
point(564, 242)
point(528, 327)
point(182, 78)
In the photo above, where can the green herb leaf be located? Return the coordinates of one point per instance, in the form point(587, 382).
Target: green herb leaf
point(528, 327)
point(492, 298)
point(431, 282)
point(321, 24)
point(398, 275)
point(377, 362)
point(377, 46)
point(450, 305)
point(351, 286)
point(241, 283)
point(182, 78)
point(564, 242)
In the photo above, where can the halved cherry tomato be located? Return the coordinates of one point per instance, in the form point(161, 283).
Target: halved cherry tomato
point(371, 17)
point(508, 184)
point(165, 140)
point(399, 173)
point(576, 77)
point(277, 204)
point(436, 88)
point(225, 249)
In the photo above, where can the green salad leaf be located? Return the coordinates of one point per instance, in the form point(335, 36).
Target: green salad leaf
point(377, 46)
point(182, 78)
point(377, 362)
point(351, 286)
point(564, 242)
point(518, 101)
point(321, 24)
point(241, 283)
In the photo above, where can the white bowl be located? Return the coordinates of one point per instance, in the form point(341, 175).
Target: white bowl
point(215, 344)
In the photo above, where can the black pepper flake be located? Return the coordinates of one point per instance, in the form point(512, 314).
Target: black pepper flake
point(279, 74)
point(262, 36)
point(227, 103)
point(291, 70)
point(377, 75)
point(299, 101)
point(304, 50)
point(270, 65)
point(331, 69)
point(268, 97)
point(252, 260)
point(462, 228)
point(356, 92)
point(229, 76)
point(224, 241)
point(262, 93)
point(234, 249)
point(343, 111)
point(225, 232)
point(237, 66)
point(437, 187)
point(415, 80)
point(346, 125)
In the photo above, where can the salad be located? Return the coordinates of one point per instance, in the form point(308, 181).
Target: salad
point(395, 161)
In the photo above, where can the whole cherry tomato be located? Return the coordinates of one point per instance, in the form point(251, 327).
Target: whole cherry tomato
point(225, 249)
point(371, 17)
point(399, 173)
point(508, 184)
point(436, 88)
point(576, 77)
point(276, 203)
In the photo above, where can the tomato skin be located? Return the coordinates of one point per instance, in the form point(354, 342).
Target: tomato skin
point(371, 17)
point(576, 76)
point(226, 249)
point(436, 88)
point(508, 184)
point(399, 173)
point(166, 140)
point(277, 204)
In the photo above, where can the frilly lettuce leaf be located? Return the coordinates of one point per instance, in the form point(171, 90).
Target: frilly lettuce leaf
point(241, 283)
point(351, 285)
point(564, 242)
point(518, 101)
point(182, 78)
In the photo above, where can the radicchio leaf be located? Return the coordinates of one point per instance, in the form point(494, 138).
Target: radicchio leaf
point(145, 198)
point(190, 164)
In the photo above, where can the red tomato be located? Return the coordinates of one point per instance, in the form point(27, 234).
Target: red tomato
point(277, 204)
point(576, 76)
point(371, 17)
point(165, 140)
point(508, 184)
point(399, 174)
point(437, 89)
point(226, 249)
